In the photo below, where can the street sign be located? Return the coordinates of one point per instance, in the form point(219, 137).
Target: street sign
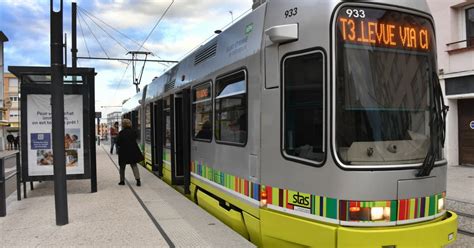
point(471, 125)
point(98, 114)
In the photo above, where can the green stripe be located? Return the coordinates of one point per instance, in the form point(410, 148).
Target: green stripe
point(418, 202)
point(432, 205)
point(393, 210)
point(331, 208)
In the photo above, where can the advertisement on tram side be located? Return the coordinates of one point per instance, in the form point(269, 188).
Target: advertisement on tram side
point(39, 131)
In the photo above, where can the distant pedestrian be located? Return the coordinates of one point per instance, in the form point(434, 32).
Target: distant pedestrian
point(114, 131)
point(128, 151)
point(16, 142)
point(10, 139)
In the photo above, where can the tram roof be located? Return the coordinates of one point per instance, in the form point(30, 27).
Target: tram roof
point(133, 103)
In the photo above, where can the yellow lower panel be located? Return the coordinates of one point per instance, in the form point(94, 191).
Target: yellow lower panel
point(253, 210)
point(282, 230)
point(253, 227)
point(230, 217)
point(166, 176)
point(427, 234)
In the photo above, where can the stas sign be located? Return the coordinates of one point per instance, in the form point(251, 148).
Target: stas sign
point(382, 28)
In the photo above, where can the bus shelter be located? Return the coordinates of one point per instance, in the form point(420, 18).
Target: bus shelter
point(36, 124)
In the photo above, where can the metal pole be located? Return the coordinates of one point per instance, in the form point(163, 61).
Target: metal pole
point(91, 85)
point(57, 106)
point(98, 131)
point(74, 35)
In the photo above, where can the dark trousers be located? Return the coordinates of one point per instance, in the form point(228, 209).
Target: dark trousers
point(113, 142)
point(136, 173)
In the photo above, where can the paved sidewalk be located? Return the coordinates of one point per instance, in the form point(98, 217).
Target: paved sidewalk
point(113, 216)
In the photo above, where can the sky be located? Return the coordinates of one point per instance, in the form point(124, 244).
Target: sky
point(111, 28)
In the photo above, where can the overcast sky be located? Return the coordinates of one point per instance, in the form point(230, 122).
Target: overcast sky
point(187, 24)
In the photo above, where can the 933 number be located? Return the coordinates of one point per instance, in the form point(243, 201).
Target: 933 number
point(291, 12)
point(356, 13)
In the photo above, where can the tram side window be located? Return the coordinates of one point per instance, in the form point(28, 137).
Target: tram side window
point(304, 106)
point(136, 124)
point(231, 109)
point(202, 112)
point(167, 122)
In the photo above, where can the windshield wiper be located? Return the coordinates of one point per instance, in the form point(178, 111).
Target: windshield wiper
point(438, 112)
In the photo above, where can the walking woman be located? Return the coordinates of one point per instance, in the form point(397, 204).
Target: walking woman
point(128, 151)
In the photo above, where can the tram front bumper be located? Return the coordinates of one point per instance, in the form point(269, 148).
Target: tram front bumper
point(436, 233)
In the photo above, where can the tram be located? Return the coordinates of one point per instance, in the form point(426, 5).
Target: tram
point(309, 123)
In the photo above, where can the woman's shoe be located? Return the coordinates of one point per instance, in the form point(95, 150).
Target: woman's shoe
point(121, 183)
point(139, 183)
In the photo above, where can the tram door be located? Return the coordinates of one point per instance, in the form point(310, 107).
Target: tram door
point(157, 130)
point(466, 131)
point(180, 160)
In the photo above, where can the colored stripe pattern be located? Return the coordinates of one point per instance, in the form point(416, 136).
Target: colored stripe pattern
point(311, 204)
point(410, 209)
point(239, 185)
point(318, 205)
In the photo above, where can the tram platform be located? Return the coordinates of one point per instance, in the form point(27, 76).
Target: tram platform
point(154, 215)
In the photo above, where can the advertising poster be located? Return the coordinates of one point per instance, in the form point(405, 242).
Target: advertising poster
point(39, 130)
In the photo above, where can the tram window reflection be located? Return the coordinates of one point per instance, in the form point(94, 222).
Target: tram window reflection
point(303, 106)
point(231, 108)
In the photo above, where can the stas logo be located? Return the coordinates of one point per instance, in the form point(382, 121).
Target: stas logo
point(299, 199)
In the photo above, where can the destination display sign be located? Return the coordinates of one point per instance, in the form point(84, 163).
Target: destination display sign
point(384, 28)
point(202, 93)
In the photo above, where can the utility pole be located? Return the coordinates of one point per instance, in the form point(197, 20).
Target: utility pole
point(57, 110)
point(137, 80)
point(74, 35)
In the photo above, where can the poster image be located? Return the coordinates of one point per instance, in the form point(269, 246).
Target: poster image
point(40, 139)
point(44, 157)
point(71, 139)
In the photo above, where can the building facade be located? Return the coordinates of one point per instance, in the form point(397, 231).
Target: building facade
point(114, 117)
point(11, 98)
point(454, 20)
point(3, 39)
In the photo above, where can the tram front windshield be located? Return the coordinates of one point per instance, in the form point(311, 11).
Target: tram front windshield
point(385, 66)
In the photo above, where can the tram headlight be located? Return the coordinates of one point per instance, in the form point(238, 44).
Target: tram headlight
point(263, 198)
point(376, 213)
point(440, 204)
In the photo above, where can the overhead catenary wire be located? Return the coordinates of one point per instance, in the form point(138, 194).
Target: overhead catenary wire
point(156, 25)
point(105, 31)
point(84, 37)
point(110, 30)
point(95, 37)
point(114, 29)
point(121, 79)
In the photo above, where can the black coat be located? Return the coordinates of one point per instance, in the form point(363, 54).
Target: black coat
point(128, 150)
